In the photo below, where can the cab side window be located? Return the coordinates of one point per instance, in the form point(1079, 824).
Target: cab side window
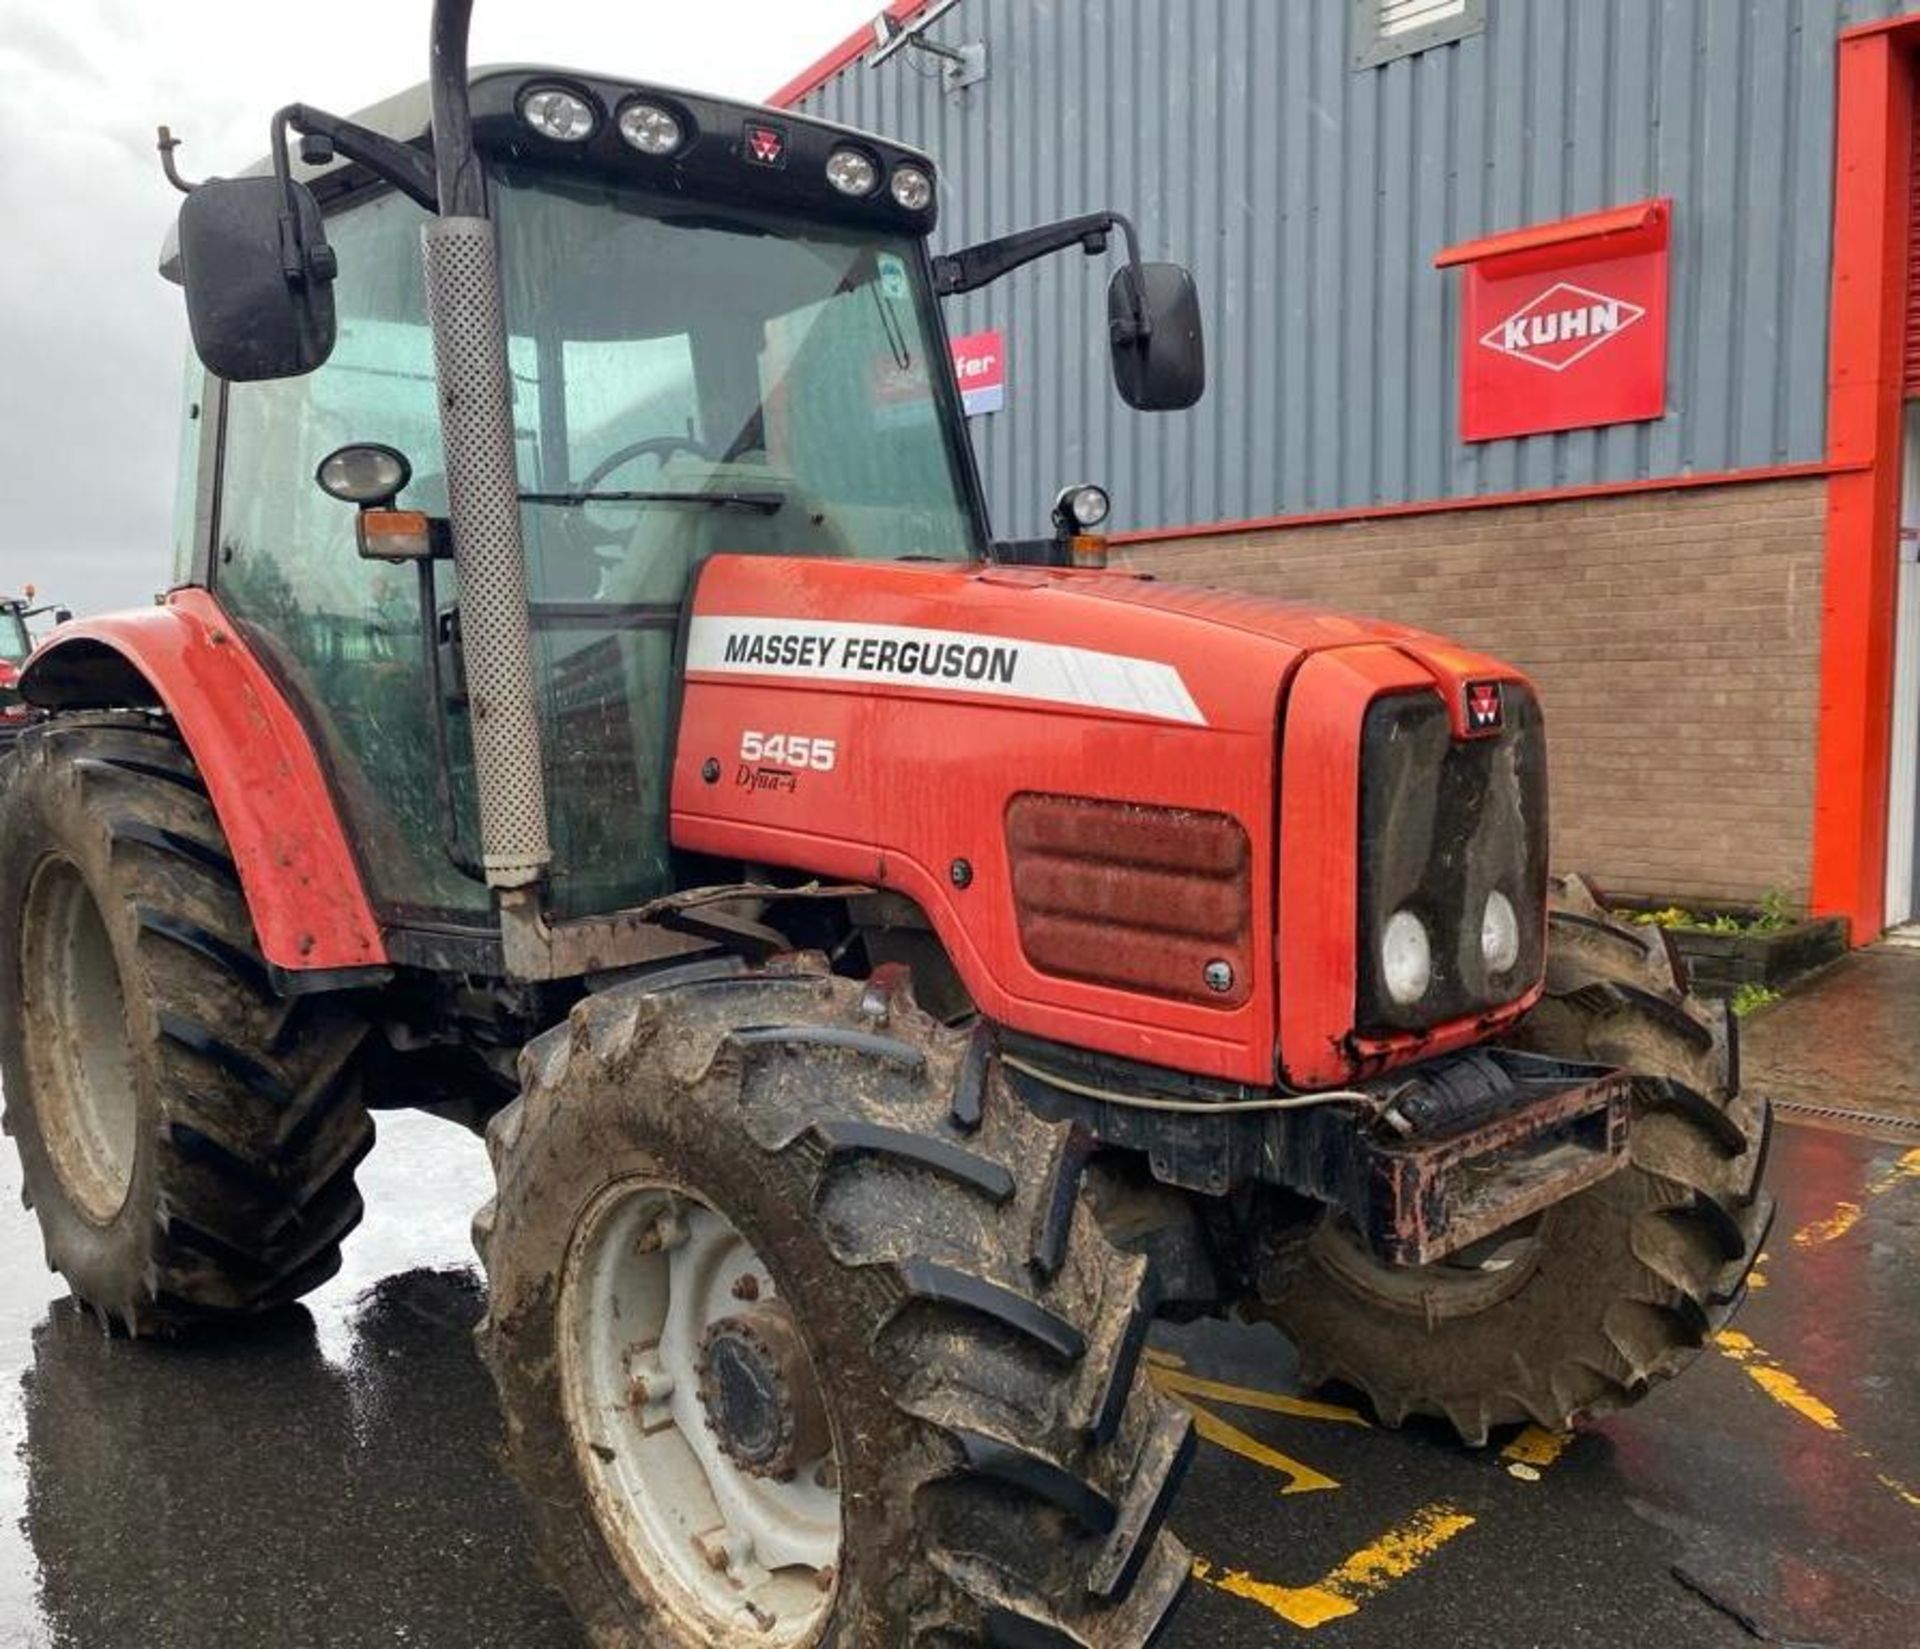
point(342, 633)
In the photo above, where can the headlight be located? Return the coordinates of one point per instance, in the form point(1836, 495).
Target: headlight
point(852, 173)
point(1499, 934)
point(650, 129)
point(555, 112)
point(1083, 507)
point(1406, 958)
point(912, 188)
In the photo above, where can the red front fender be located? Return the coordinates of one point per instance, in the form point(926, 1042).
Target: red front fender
point(303, 886)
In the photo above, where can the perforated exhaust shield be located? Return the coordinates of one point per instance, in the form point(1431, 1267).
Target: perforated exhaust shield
point(476, 416)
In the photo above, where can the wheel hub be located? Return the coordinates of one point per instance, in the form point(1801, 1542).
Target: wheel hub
point(698, 1420)
point(757, 1392)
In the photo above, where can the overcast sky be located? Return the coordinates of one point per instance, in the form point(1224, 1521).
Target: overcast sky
point(94, 340)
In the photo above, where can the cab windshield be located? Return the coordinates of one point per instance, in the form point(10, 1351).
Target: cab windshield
point(689, 379)
point(15, 643)
point(774, 382)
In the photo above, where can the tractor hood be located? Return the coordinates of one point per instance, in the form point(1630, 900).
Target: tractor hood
point(1082, 781)
point(1103, 643)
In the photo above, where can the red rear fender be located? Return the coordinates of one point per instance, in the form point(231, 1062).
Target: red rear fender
point(309, 904)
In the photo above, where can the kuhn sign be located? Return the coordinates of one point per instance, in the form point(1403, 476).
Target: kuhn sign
point(1565, 324)
point(1562, 327)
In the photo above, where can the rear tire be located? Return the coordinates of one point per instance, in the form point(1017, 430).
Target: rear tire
point(1618, 1287)
point(188, 1136)
point(974, 1342)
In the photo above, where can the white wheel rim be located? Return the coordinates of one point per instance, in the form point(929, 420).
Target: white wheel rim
point(78, 1046)
point(649, 1270)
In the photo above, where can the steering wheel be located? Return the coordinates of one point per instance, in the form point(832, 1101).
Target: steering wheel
point(587, 531)
point(662, 447)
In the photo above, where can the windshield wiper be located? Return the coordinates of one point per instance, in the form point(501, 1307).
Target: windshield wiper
point(763, 503)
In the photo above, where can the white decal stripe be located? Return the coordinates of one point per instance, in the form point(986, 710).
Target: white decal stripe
point(1000, 666)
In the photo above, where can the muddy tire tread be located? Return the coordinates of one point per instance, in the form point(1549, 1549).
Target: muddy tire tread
point(1690, 1211)
point(260, 1119)
point(1039, 1498)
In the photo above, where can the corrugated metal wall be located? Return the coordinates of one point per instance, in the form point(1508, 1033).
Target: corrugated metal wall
point(1310, 200)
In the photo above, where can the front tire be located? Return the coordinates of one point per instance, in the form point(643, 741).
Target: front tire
point(188, 1136)
point(939, 1330)
point(1612, 1291)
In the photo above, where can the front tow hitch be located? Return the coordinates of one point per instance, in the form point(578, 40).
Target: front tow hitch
point(1459, 1148)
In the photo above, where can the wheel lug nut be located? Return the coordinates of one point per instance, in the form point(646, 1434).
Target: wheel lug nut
point(649, 1386)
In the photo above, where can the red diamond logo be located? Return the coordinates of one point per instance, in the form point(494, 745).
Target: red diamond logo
point(1486, 708)
point(766, 145)
point(1565, 324)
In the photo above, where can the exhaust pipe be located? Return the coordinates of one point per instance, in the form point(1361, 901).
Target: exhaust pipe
point(467, 309)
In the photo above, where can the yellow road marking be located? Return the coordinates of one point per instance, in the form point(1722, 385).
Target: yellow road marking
point(1156, 1358)
point(1908, 1167)
point(1783, 1388)
point(1836, 1225)
point(1775, 1381)
point(1342, 1590)
point(1187, 1390)
point(1847, 1215)
point(1301, 1408)
point(1301, 1478)
point(1537, 1447)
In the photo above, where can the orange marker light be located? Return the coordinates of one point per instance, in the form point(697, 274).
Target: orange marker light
point(395, 535)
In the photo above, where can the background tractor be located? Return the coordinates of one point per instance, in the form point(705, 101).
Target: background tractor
point(16, 643)
point(889, 966)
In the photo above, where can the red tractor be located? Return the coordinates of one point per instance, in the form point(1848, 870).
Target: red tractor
point(890, 967)
point(16, 643)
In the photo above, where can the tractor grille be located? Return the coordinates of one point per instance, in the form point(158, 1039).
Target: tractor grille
point(1444, 822)
point(1154, 899)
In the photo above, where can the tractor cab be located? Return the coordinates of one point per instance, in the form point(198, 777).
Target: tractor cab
point(721, 335)
point(15, 643)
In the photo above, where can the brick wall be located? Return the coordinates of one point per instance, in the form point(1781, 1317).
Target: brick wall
point(1674, 637)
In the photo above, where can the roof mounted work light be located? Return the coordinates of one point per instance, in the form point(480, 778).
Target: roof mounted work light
point(555, 112)
point(650, 128)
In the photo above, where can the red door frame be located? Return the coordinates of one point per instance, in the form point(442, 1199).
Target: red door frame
point(1865, 341)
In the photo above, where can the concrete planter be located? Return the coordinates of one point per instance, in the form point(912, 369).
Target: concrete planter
point(1720, 963)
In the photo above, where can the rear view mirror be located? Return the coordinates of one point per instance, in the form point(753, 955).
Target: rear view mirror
point(1159, 346)
point(259, 277)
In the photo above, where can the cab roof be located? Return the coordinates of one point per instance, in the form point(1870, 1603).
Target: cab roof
point(714, 158)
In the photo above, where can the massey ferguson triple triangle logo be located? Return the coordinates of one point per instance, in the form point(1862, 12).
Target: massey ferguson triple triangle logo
point(1563, 325)
point(766, 145)
point(1486, 707)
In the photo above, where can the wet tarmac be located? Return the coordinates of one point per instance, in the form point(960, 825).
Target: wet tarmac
point(332, 1480)
point(1848, 1038)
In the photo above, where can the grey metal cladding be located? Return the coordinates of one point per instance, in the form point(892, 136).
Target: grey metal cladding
point(1310, 197)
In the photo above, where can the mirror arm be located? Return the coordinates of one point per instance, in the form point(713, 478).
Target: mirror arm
point(295, 262)
point(405, 167)
point(166, 144)
point(973, 267)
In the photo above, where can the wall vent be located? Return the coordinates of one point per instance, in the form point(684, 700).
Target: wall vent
point(1384, 30)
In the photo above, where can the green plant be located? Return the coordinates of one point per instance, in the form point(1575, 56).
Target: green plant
point(1775, 913)
point(1751, 997)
